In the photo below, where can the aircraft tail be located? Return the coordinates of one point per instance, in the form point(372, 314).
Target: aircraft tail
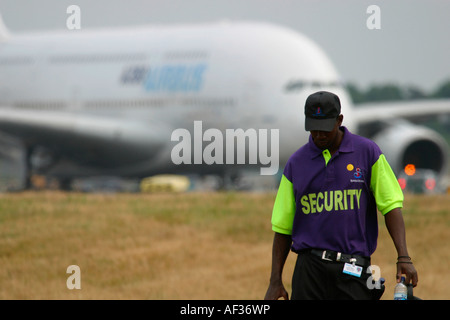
point(4, 32)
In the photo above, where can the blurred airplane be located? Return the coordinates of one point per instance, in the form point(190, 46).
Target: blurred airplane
point(105, 102)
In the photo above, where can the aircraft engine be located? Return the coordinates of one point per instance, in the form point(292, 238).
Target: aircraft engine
point(405, 144)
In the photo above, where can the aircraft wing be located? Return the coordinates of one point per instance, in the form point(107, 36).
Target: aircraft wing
point(410, 110)
point(91, 139)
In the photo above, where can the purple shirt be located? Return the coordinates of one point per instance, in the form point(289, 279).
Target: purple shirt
point(330, 201)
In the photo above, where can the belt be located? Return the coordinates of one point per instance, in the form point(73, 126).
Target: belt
point(329, 255)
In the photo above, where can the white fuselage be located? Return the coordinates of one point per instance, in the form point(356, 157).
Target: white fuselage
point(136, 86)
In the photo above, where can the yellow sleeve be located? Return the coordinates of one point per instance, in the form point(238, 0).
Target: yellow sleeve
point(284, 208)
point(385, 187)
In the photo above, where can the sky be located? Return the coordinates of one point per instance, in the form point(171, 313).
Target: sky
point(411, 48)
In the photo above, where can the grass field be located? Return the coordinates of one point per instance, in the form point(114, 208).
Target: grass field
point(179, 246)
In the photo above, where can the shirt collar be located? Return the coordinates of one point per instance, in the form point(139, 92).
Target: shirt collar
point(345, 147)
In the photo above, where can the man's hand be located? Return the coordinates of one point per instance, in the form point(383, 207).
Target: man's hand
point(280, 250)
point(276, 291)
point(396, 228)
point(404, 266)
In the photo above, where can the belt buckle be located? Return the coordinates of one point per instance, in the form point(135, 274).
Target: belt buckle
point(323, 256)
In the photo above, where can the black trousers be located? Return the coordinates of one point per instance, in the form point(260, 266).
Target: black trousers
point(317, 279)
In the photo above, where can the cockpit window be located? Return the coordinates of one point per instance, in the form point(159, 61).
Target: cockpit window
point(294, 86)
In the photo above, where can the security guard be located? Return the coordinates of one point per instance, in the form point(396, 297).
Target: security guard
point(326, 210)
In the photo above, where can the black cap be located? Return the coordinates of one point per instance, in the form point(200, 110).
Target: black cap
point(321, 111)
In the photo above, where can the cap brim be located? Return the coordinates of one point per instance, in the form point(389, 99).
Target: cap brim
point(319, 124)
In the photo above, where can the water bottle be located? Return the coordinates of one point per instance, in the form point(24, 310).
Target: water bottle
point(401, 291)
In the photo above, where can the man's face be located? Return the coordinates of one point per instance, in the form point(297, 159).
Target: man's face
point(327, 139)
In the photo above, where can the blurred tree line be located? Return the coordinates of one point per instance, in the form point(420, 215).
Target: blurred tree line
point(394, 92)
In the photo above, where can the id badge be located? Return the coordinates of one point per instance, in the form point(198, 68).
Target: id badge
point(352, 270)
